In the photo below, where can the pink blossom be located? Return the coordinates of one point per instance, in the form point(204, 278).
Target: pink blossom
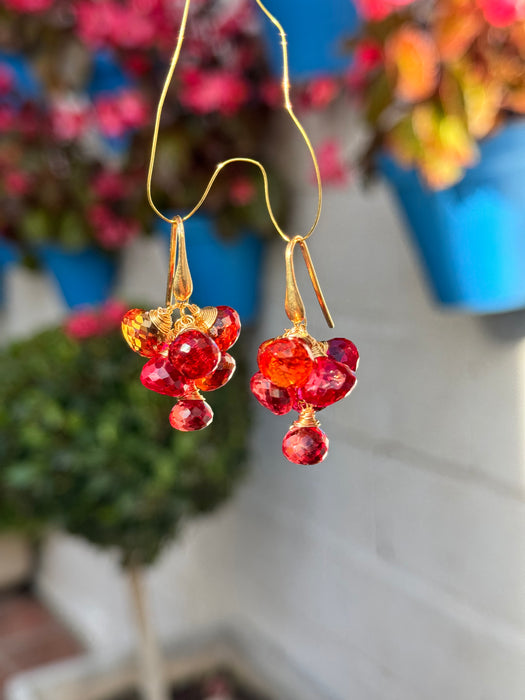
point(83, 324)
point(272, 93)
point(242, 191)
point(29, 5)
point(111, 314)
point(6, 79)
point(17, 183)
point(367, 56)
point(320, 92)
point(501, 13)
point(117, 113)
point(204, 92)
point(109, 185)
point(333, 169)
point(379, 9)
point(69, 119)
point(7, 118)
point(112, 232)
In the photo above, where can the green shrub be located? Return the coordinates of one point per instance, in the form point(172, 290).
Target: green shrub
point(85, 447)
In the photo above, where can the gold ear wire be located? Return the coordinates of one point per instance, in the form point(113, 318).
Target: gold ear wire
point(180, 284)
point(293, 303)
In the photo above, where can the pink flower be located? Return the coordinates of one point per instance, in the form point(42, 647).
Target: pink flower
point(112, 232)
point(29, 5)
point(501, 13)
point(6, 79)
point(333, 169)
point(7, 118)
point(217, 90)
point(109, 185)
point(118, 113)
point(368, 55)
point(111, 314)
point(17, 183)
point(83, 324)
point(320, 92)
point(272, 93)
point(242, 191)
point(69, 119)
point(379, 9)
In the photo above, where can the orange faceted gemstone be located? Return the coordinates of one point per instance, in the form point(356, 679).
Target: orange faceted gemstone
point(220, 376)
point(140, 333)
point(285, 361)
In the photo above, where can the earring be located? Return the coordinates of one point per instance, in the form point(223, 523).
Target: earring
point(189, 355)
point(298, 372)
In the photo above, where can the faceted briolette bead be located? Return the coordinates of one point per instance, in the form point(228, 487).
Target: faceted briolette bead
point(194, 354)
point(140, 333)
point(285, 361)
point(220, 376)
point(159, 375)
point(305, 445)
point(273, 397)
point(190, 415)
point(343, 350)
point(329, 381)
point(227, 327)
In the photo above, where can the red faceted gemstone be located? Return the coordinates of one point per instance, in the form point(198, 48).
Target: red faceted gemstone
point(227, 327)
point(220, 376)
point(343, 350)
point(285, 361)
point(305, 445)
point(273, 397)
point(330, 381)
point(194, 354)
point(161, 376)
point(191, 414)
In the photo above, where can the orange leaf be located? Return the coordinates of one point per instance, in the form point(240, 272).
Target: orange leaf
point(412, 63)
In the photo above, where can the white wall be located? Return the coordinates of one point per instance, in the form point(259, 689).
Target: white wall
point(395, 570)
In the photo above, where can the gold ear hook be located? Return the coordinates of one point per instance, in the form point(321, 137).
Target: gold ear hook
point(180, 284)
point(293, 303)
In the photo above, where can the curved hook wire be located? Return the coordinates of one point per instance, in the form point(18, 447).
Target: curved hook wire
point(288, 107)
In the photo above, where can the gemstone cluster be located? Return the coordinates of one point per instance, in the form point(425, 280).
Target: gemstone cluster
point(296, 372)
point(185, 358)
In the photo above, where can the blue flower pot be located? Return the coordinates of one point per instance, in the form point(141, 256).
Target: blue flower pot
point(84, 277)
point(9, 255)
point(314, 30)
point(224, 272)
point(471, 237)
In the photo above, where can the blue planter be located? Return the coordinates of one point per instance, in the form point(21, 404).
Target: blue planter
point(223, 272)
point(84, 277)
point(8, 256)
point(314, 30)
point(471, 237)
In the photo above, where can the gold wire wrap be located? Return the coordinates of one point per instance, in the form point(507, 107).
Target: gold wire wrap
point(288, 107)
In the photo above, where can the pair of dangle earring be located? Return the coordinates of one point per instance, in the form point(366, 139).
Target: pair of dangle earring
point(189, 355)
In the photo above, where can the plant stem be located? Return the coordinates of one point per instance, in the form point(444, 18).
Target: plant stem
point(152, 682)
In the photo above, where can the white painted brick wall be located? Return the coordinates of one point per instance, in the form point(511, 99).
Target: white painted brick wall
point(396, 570)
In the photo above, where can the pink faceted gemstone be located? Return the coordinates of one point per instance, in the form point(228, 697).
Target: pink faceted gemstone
point(307, 445)
point(191, 414)
point(329, 381)
point(161, 376)
point(194, 354)
point(343, 350)
point(227, 327)
point(273, 397)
